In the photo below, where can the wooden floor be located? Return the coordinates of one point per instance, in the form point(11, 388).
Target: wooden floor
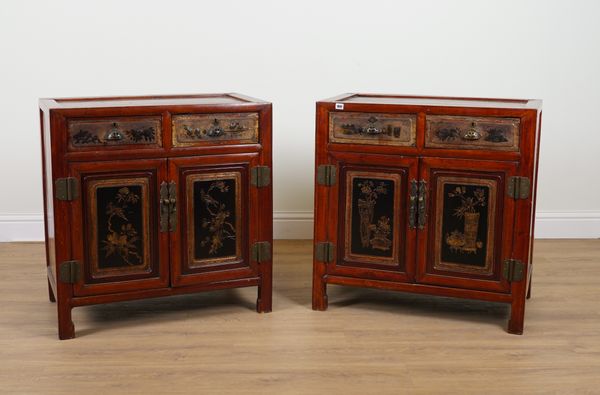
point(367, 342)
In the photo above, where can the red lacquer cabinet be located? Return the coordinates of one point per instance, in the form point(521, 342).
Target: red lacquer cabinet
point(155, 196)
point(429, 195)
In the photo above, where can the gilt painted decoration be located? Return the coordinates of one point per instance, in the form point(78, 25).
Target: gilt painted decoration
point(139, 131)
point(214, 234)
point(118, 213)
point(465, 224)
point(457, 132)
point(372, 216)
point(201, 129)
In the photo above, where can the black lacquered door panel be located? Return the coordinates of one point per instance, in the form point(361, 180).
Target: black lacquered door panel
point(116, 235)
point(469, 225)
point(371, 203)
point(216, 221)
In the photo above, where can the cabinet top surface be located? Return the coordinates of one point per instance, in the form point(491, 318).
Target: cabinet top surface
point(436, 101)
point(143, 101)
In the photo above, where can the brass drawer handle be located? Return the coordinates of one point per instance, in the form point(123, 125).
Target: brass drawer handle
point(114, 134)
point(373, 130)
point(472, 134)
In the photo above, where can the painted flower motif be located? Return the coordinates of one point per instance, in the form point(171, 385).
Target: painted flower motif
point(217, 225)
point(122, 242)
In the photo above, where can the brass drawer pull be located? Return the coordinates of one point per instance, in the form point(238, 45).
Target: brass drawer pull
point(373, 130)
point(114, 134)
point(472, 134)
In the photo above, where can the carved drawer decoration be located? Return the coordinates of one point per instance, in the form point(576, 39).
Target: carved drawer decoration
point(371, 128)
point(206, 129)
point(372, 217)
point(143, 131)
point(118, 212)
point(465, 220)
point(214, 231)
point(455, 132)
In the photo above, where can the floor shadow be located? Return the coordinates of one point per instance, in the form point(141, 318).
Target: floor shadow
point(439, 307)
point(172, 308)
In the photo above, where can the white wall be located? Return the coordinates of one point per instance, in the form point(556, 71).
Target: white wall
point(294, 53)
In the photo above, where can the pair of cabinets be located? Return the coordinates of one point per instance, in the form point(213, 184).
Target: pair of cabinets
point(155, 196)
point(428, 196)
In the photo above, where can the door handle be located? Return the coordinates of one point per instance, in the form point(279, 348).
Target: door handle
point(422, 204)
point(168, 206)
point(412, 207)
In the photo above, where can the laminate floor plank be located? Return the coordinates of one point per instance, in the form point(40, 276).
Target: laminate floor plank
point(369, 341)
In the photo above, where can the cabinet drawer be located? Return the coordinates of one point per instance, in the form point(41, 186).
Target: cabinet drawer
point(371, 128)
point(478, 133)
point(144, 132)
point(207, 129)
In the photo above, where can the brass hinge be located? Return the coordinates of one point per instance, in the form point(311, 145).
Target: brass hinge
point(66, 189)
point(324, 252)
point(69, 271)
point(513, 270)
point(261, 251)
point(260, 176)
point(326, 175)
point(519, 187)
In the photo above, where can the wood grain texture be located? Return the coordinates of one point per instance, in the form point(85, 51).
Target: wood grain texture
point(379, 342)
point(439, 122)
point(107, 121)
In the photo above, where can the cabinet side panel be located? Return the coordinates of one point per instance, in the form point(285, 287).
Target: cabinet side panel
point(48, 201)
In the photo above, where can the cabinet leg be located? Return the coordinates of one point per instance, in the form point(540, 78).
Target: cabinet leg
point(66, 329)
point(517, 317)
point(319, 295)
point(529, 288)
point(264, 302)
point(51, 293)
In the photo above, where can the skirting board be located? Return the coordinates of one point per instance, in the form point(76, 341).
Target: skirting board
point(299, 225)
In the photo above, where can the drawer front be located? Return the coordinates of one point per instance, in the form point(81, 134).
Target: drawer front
point(478, 133)
point(371, 128)
point(144, 132)
point(207, 129)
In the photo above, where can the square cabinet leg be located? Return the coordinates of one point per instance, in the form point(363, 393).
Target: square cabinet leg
point(517, 317)
point(66, 329)
point(51, 293)
point(264, 302)
point(319, 296)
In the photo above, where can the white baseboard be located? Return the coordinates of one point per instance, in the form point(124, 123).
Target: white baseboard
point(299, 225)
point(293, 225)
point(21, 227)
point(567, 225)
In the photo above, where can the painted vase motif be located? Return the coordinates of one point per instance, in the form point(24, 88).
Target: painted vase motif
point(373, 235)
point(466, 241)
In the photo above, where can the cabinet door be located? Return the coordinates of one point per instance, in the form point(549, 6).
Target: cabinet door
point(115, 227)
point(217, 219)
point(368, 217)
point(468, 229)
